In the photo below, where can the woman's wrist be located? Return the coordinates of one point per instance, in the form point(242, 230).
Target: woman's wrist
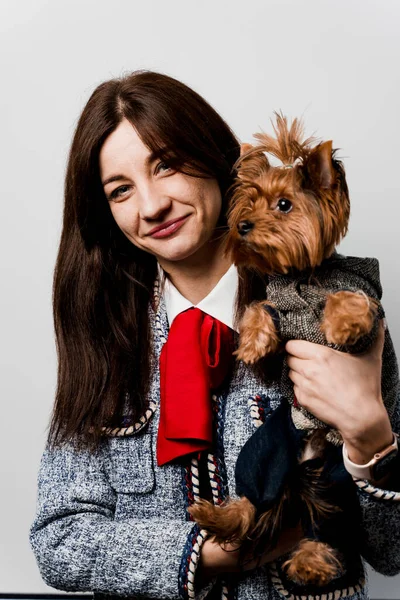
point(369, 438)
point(363, 452)
point(380, 468)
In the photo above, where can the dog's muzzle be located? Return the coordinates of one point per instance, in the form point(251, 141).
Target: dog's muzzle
point(244, 227)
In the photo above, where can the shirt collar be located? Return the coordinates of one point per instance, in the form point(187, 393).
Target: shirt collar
point(220, 303)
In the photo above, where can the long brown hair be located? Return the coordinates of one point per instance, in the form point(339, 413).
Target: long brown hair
point(102, 282)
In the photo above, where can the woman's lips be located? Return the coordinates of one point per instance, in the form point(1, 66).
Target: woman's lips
point(169, 229)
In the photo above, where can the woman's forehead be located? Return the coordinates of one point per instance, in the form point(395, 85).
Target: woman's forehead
point(120, 149)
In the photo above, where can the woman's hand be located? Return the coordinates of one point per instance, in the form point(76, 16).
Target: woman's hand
point(344, 391)
point(216, 559)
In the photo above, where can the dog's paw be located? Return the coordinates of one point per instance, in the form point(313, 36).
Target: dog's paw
point(249, 353)
point(258, 335)
point(313, 563)
point(348, 316)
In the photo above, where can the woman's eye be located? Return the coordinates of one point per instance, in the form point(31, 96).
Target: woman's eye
point(163, 165)
point(118, 192)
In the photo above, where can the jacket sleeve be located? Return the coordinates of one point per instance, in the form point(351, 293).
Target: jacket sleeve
point(381, 515)
point(80, 547)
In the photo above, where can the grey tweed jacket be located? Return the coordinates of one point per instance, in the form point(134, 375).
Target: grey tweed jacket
point(116, 524)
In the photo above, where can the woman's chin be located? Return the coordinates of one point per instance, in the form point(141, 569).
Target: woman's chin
point(181, 252)
point(175, 254)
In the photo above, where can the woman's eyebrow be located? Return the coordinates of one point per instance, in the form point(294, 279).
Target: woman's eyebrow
point(113, 178)
point(150, 158)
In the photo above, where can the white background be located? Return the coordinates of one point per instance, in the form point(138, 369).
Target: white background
point(334, 62)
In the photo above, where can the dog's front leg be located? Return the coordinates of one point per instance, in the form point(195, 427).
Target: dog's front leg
point(348, 316)
point(258, 331)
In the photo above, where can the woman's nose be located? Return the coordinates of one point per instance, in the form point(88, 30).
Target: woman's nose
point(153, 203)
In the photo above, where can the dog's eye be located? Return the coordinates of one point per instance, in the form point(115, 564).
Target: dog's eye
point(284, 205)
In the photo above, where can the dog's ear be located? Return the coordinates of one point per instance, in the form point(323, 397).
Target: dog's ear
point(319, 166)
point(251, 163)
point(245, 148)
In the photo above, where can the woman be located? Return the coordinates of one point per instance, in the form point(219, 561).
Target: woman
point(146, 194)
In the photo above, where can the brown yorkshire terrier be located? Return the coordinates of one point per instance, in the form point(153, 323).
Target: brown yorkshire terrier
point(285, 221)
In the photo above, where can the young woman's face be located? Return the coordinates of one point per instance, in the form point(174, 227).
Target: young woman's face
point(164, 212)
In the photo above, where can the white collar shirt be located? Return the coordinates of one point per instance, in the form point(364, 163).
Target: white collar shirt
point(220, 303)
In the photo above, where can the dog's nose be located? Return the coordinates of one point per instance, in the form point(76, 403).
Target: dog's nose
point(244, 227)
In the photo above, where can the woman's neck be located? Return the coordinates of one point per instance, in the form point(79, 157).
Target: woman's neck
point(197, 275)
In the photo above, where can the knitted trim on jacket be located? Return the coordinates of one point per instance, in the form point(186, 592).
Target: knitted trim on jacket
point(366, 486)
point(334, 595)
point(189, 563)
point(260, 407)
point(131, 429)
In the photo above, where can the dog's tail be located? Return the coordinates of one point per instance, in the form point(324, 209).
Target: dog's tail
point(230, 522)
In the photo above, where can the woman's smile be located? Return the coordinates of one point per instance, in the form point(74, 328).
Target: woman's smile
point(168, 228)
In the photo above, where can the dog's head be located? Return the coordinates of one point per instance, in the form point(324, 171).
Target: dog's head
point(291, 216)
